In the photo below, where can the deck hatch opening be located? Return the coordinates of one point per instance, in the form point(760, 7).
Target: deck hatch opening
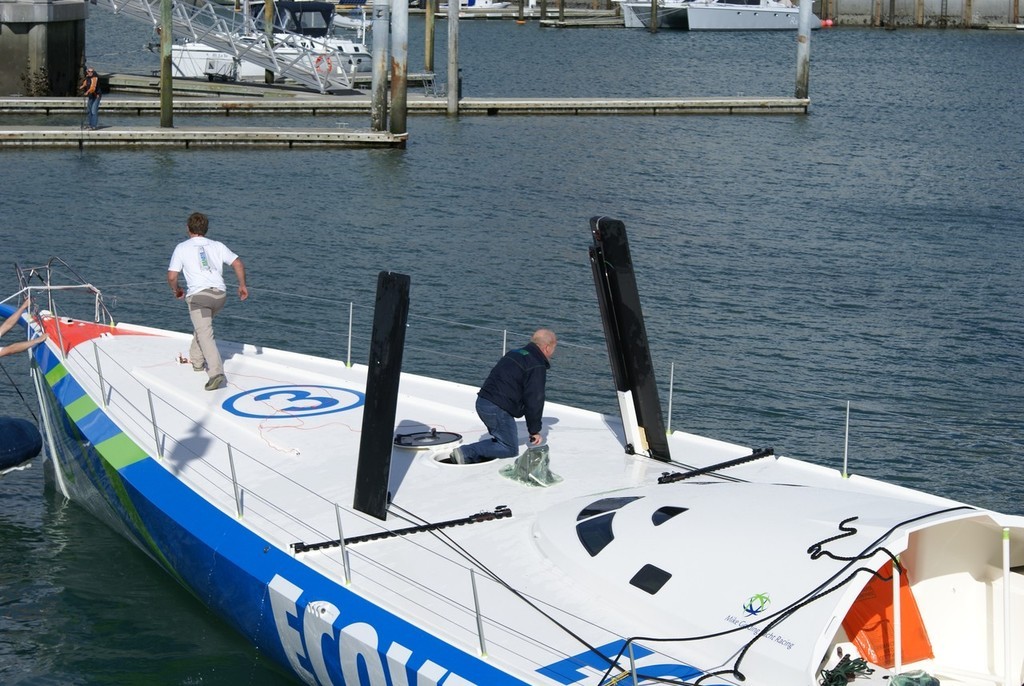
point(663, 514)
point(650, 578)
point(605, 505)
point(596, 533)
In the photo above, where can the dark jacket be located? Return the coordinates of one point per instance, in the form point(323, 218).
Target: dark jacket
point(91, 86)
point(516, 384)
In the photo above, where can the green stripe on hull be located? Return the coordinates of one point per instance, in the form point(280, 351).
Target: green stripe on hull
point(114, 454)
point(55, 375)
point(120, 451)
point(80, 408)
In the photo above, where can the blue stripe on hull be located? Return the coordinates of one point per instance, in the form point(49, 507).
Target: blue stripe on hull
point(321, 631)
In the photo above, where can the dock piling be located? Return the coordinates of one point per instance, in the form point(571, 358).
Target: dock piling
point(399, 66)
point(454, 82)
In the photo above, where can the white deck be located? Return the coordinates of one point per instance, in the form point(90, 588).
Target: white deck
point(296, 472)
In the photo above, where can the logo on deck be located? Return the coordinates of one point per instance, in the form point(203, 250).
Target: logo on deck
point(291, 401)
point(757, 604)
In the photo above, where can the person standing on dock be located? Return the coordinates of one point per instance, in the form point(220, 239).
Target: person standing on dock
point(514, 388)
point(91, 90)
point(20, 346)
point(202, 260)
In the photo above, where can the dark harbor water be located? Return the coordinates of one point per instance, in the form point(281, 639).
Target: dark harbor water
point(871, 252)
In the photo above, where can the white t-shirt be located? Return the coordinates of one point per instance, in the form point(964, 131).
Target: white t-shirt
point(201, 260)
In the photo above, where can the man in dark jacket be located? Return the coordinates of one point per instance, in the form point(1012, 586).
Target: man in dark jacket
point(514, 388)
point(91, 90)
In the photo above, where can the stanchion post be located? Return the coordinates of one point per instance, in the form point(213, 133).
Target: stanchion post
point(479, 617)
point(156, 431)
point(341, 540)
point(234, 482)
point(99, 374)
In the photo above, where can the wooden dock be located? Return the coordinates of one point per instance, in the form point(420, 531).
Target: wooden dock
point(207, 137)
point(360, 105)
point(237, 100)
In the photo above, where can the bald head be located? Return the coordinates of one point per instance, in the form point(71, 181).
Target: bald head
point(545, 340)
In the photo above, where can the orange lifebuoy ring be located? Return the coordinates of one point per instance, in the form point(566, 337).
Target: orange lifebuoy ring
point(323, 64)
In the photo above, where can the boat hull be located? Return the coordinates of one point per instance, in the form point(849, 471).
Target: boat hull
point(237, 494)
point(727, 17)
point(311, 626)
point(671, 16)
point(199, 61)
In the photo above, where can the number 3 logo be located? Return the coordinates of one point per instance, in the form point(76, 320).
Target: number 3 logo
point(285, 402)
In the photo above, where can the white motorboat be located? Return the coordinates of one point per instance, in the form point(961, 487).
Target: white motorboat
point(473, 5)
point(311, 505)
point(300, 26)
point(671, 14)
point(752, 15)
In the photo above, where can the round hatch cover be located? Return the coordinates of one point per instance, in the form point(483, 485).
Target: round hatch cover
point(426, 439)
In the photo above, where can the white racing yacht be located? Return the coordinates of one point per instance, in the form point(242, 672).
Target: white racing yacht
point(311, 505)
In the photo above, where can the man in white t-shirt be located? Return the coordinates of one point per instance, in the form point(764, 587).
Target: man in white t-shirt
point(201, 260)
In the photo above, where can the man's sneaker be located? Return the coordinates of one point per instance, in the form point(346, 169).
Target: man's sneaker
point(199, 368)
point(457, 457)
point(216, 382)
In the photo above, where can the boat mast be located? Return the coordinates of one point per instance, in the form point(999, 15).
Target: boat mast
point(390, 315)
point(626, 336)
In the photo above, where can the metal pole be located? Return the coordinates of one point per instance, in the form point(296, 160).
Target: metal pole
point(341, 542)
point(671, 389)
point(453, 58)
point(476, 597)
point(268, 29)
point(399, 65)
point(156, 431)
point(428, 38)
point(166, 67)
point(379, 83)
point(1007, 663)
point(234, 482)
point(846, 441)
point(348, 359)
point(803, 48)
point(99, 374)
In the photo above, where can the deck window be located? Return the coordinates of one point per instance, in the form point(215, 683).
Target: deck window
point(663, 514)
point(596, 533)
point(604, 505)
point(650, 579)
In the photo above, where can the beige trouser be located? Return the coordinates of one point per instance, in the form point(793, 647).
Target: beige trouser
point(201, 308)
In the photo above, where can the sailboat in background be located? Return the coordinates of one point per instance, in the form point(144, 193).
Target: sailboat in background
point(300, 26)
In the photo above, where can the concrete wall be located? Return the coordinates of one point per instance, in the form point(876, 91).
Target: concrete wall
point(921, 13)
point(42, 45)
